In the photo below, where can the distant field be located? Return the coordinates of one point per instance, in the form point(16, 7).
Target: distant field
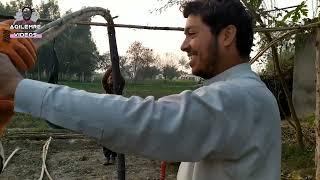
point(156, 88)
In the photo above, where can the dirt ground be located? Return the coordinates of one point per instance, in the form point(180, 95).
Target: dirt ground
point(72, 159)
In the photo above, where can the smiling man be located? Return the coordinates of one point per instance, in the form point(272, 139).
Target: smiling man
point(228, 129)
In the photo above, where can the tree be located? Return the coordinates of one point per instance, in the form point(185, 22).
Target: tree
point(184, 63)
point(140, 58)
point(170, 65)
point(170, 71)
point(76, 59)
point(253, 6)
point(103, 61)
point(49, 9)
point(149, 72)
point(47, 58)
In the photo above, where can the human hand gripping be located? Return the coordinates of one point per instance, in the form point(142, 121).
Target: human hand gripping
point(15, 55)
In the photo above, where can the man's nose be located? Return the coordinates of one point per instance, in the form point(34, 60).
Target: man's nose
point(185, 45)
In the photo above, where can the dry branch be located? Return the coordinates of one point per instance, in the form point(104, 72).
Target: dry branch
point(44, 156)
point(10, 157)
point(53, 29)
point(272, 43)
point(294, 30)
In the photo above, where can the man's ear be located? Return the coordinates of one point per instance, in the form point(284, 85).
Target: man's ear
point(229, 35)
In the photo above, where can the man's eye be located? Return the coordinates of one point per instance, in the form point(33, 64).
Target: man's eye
point(191, 34)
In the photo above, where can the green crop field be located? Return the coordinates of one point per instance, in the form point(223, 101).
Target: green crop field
point(156, 88)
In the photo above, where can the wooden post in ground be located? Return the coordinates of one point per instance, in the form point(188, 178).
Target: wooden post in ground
point(317, 111)
point(116, 78)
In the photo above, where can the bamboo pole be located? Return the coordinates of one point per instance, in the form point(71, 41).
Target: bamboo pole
point(167, 28)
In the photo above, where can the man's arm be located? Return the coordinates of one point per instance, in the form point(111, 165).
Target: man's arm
point(185, 127)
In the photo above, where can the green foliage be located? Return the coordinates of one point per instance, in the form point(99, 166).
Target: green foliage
point(49, 9)
point(148, 72)
point(294, 15)
point(310, 120)
point(297, 158)
point(255, 3)
point(12, 7)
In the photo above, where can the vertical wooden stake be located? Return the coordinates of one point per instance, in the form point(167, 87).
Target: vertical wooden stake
point(317, 111)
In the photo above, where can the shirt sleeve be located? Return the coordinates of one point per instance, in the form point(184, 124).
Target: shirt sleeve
point(189, 126)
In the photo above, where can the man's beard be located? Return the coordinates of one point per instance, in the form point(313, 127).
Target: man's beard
point(213, 59)
point(27, 17)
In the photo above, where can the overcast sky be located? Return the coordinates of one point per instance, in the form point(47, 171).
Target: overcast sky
point(138, 12)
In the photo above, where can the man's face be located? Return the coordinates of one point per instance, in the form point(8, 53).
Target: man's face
point(26, 14)
point(201, 47)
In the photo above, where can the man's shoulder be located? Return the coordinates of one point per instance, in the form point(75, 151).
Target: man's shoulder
point(244, 82)
point(238, 87)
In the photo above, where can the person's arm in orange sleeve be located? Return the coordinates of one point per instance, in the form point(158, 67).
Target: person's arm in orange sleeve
point(22, 53)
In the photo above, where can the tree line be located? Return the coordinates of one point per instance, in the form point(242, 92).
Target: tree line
point(78, 57)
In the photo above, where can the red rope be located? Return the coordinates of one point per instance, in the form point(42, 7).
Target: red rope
point(163, 170)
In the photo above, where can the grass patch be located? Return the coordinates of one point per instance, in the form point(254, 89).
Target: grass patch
point(297, 163)
point(310, 120)
point(295, 158)
point(24, 121)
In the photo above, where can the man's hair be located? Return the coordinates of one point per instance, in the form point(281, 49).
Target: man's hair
point(106, 85)
point(218, 14)
point(29, 9)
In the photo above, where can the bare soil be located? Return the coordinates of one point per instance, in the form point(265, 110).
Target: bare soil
point(73, 159)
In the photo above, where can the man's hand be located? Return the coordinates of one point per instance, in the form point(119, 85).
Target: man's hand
point(15, 55)
point(9, 77)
